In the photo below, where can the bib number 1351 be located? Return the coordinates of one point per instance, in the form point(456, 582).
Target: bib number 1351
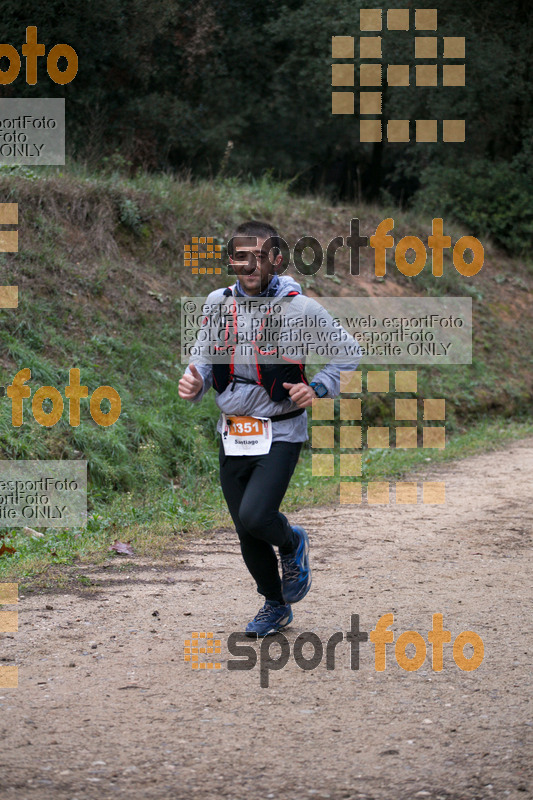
point(243, 436)
point(238, 426)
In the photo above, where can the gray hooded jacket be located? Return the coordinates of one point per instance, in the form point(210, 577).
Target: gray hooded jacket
point(253, 400)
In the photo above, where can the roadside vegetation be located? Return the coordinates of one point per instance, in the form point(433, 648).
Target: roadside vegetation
point(100, 275)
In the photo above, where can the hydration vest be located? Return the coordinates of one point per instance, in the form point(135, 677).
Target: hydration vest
point(270, 376)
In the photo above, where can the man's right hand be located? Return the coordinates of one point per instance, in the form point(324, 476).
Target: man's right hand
point(190, 384)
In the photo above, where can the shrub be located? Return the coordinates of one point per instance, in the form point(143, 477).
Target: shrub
point(489, 199)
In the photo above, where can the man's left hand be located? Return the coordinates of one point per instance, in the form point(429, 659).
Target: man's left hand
point(301, 393)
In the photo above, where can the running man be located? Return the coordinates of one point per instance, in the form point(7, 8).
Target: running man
point(264, 420)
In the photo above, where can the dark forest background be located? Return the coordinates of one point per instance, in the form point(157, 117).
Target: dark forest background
point(241, 87)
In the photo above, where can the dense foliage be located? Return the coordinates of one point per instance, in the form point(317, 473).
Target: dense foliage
point(168, 83)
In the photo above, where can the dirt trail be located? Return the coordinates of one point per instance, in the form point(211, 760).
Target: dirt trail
point(107, 707)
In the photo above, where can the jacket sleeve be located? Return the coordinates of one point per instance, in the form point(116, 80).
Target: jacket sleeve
point(349, 351)
point(201, 350)
point(205, 372)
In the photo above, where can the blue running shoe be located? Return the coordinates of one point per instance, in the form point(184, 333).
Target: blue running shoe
point(296, 574)
point(269, 619)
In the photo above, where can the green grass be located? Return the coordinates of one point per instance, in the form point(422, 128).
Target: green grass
point(159, 517)
point(389, 464)
point(100, 275)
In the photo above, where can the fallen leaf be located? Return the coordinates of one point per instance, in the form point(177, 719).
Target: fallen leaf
point(122, 547)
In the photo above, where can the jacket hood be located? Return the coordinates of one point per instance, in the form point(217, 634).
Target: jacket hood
point(286, 285)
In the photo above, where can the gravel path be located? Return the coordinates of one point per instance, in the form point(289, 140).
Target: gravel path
point(107, 707)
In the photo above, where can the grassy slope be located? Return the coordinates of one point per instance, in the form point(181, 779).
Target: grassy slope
point(100, 273)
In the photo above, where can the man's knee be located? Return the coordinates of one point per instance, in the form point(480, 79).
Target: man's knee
point(256, 520)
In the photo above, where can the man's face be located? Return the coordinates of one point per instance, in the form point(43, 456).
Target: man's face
point(251, 264)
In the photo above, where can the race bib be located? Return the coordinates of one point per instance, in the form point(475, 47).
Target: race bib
point(246, 436)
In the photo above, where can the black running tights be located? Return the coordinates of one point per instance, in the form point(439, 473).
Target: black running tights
point(254, 487)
